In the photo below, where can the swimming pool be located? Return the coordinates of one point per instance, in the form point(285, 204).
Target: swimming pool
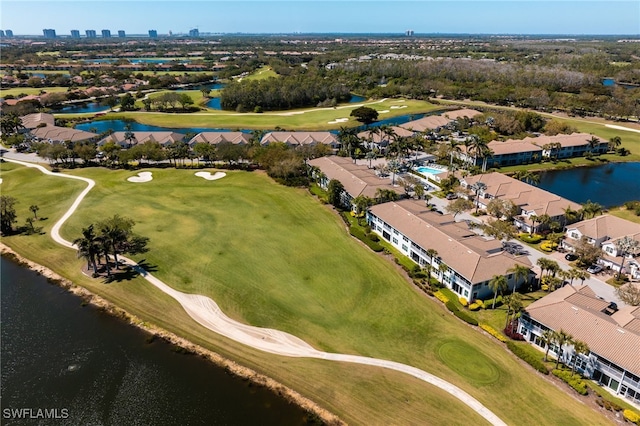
point(429, 170)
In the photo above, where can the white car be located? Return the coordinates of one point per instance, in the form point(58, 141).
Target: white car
point(594, 269)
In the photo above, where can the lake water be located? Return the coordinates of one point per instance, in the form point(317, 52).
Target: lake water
point(82, 107)
point(609, 184)
point(57, 354)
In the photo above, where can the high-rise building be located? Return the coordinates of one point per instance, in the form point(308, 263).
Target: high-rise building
point(49, 33)
point(409, 33)
point(8, 33)
point(2, 33)
point(121, 34)
point(194, 33)
point(75, 34)
point(106, 33)
point(90, 33)
point(153, 34)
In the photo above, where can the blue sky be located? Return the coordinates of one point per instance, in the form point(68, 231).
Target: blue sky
point(326, 16)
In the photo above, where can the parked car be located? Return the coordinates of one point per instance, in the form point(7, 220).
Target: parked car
point(451, 196)
point(594, 269)
point(571, 257)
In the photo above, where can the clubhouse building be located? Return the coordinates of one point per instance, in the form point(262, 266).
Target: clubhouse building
point(613, 336)
point(464, 261)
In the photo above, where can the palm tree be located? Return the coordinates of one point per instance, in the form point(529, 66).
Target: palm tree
point(514, 304)
point(562, 338)
point(361, 202)
point(579, 347)
point(534, 220)
point(593, 143)
point(527, 176)
point(578, 274)
point(625, 246)
point(591, 209)
point(570, 215)
point(544, 264)
point(88, 247)
point(548, 338)
point(614, 143)
point(453, 147)
point(129, 136)
point(497, 284)
point(432, 253)
point(519, 272)
point(34, 209)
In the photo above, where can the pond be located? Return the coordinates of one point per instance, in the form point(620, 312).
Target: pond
point(609, 184)
point(78, 108)
point(120, 126)
point(59, 354)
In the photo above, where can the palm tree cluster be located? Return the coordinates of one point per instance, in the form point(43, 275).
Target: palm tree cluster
point(114, 236)
point(560, 339)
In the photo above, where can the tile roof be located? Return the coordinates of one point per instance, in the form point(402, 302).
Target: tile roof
point(377, 137)
point(607, 226)
point(163, 138)
point(31, 121)
point(434, 121)
point(300, 138)
point(61, 134)
point(577, 311)
point(214, 138)
point(528, 197)
point(472, 256)
point(356, 179)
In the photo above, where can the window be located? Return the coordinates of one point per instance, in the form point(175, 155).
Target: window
point(395, 232)
point(574, 235)
point(395, 240)
point(405, 239)
point(404, 247)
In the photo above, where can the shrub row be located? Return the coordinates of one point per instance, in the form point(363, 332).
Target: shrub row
point(548, 246)
point(573, 380)
point(527, 357)
point(357, 232)
point(460, 314)
point(441, 297)
point(531, 239)
point(608, 405)
point(493, 332)
point(463, 301)
point(476, 305)
point(465, 317)
point(631, 416)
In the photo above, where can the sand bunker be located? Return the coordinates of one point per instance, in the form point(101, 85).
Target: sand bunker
point(209, 176)
point(398, 106)
point(384, 111)
point(142, 177)
point(0, 180)
point(338, 120)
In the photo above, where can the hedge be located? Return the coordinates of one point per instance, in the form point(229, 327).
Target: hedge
point(527, 357)
point(531, 239)
point(631, 416)
point(493, 332)
point(573, 380)
point(359, 234)
point(451, 306)
point(475, 306)
point(463, 301)
point(465, 317)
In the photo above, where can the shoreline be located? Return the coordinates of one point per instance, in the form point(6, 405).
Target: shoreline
point(187, 346)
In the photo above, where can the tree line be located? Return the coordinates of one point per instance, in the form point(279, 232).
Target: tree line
point(286, 92)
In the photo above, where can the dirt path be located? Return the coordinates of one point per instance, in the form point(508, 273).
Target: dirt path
point(207, 313)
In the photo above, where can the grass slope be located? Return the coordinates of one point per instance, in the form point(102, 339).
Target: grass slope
point(273, 256)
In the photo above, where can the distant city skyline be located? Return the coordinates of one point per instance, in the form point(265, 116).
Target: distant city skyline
point(544, 17)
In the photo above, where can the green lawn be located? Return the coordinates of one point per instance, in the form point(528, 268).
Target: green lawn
point(625, 214)
point(275, 256)
point(261, 73)
point(303, 119)
point(15, 91)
